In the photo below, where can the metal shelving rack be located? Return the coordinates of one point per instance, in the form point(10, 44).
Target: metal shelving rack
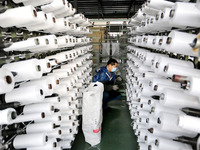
point(14, 34)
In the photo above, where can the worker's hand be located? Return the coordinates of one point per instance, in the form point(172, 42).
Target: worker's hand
point(119, 79)
point(115, 87)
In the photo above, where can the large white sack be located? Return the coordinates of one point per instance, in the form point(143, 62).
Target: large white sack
point(92, 113)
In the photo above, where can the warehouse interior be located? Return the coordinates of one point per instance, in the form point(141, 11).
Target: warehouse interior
point(52, 52)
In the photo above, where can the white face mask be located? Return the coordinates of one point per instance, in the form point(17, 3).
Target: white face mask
point(113, 69)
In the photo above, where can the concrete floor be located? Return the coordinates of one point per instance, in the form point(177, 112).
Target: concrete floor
point(117, 133)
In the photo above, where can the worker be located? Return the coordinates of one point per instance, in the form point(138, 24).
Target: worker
point(107, 76)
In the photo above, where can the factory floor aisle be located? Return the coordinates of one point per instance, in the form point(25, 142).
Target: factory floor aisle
point(117, 133)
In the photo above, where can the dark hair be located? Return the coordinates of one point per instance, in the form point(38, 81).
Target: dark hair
point(112, 62)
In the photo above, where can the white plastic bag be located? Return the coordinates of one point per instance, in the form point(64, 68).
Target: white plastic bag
point(92, 113)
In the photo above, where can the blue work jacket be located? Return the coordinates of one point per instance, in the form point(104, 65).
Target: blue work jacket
point(102, 75)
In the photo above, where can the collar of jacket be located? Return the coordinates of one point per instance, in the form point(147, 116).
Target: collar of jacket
point(110, 75)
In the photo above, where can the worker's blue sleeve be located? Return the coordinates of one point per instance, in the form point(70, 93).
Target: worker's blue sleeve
point(100, 76)
point(114, 78)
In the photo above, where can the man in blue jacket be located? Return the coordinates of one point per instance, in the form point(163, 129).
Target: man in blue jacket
point(107, 76)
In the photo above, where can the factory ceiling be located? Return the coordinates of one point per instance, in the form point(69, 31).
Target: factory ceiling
point(101, 9)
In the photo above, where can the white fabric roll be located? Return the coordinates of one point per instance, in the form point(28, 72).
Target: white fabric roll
point(66, 130)
point(68, 54)
point(148, 58)
point(44, 84)
point(70, 65)
point(159, 4)
point(164, 17)
point(149, 41)
point(139, 16)
point(142, 133)
point(67, 99)
point(145, 107)
point(68, 123)
point(51, 45)
point(147, 91)
point(65, 41)
point(49, 23)
point(68, 112)
point(67, 144)
point(79, 20)
point(159, 108)
point(23, 45)
point(53, 100)
point(35, 2)
point(197, 3)
point(161, 21)
point(56, 133)
point(56, 118)
point(66, 81)
point(159, 133)
point(151, 122)
point(29, 117)
point(68, 70)
point(45, 65)
point(150, 75)
point(156, 42)
point(193, 86)
point(153, 147)
point(178, 42)
point(43, 43)
point(66, 119)
point(73, 26)
point(25, 95)
point(60, 57)
point(31, 44)
point(31, 69)
point(143, 113)
point(78, 73)
point(60, 74)
point(74, 130)
point(185, 14)
point(79, 85)
point(79, 31)
point(62, 106)
point(50, 145)
point(40, 127)
point(26, 140)
point(41, 19)
point(61, 25)
point(76, 16)
point(47, 108)
point(72, 93)
point(160, 88)
point(52, 61)
point(65, 10)
point(143, 99)
point(142, 146)
point(55, 5)
point(162, 42)
point(178, 99)
point(19, 1)
point(189, 123)
point(149, 138)
point(171, 69)
point(7, 81)
point(63, 90)
point(169, 123)
point(54, 80)
point(144, 68)
point(161, 62)
point(12, 17)
point(7, 116)
point(169, 144)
